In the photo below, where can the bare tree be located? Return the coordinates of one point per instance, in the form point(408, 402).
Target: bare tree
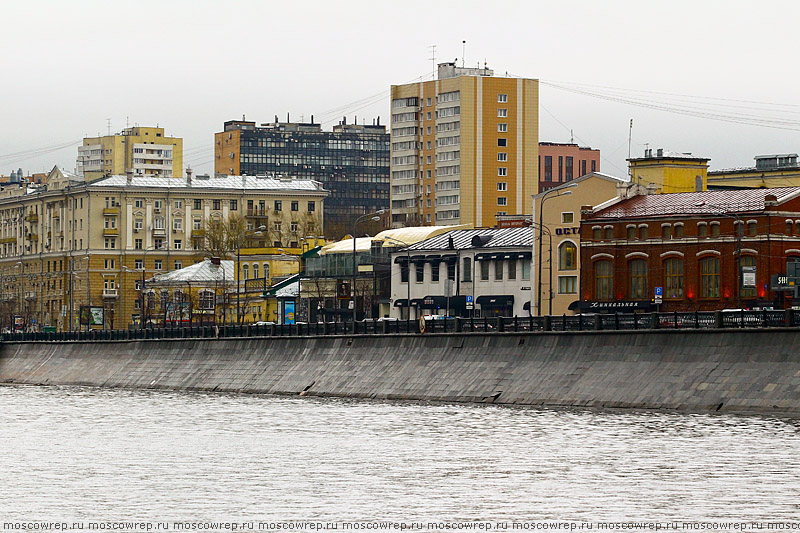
point(223, 237)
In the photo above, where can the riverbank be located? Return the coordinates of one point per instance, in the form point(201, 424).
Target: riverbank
point(727, 370)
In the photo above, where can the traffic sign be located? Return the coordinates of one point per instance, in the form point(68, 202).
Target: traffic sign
point(659, 291)
point(658, 299)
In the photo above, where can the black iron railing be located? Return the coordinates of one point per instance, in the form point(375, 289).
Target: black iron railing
point(564, 323)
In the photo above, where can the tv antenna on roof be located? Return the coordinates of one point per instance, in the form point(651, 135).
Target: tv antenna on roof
point(433, 59)
point(463, 52)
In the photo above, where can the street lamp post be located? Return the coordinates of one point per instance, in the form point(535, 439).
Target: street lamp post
point(145, 301)
point(243, 235)
point(374, 217)
point(545, 196)
point(738, 230)
point(549, 234)
point(408, 274)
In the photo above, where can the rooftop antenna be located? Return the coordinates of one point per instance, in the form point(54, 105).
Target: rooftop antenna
point(571, 137)
point(108, 125)
point(630, 132)
point(463, 52)
point(433, 59)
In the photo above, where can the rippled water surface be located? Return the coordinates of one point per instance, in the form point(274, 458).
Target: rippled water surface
point(96, 454)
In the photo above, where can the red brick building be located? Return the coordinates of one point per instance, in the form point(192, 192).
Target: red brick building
point(563, 162)
point(691, 245)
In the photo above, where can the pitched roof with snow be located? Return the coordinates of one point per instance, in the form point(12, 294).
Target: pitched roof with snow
point(259, 183)
point(200, 274)
point(462, 239)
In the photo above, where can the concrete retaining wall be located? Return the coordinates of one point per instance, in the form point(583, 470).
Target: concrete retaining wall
point(730, 370)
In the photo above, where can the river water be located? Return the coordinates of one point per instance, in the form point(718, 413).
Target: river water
point(75, 453)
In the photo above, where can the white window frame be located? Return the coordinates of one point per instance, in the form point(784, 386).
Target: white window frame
point(502, 186)
point(502, 200)
point(502, 112)
point(502, 98)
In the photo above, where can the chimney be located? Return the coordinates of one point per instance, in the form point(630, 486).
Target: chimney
point(189, 175)
point(651, 188)
point(660, 152)
point(771, 202)
point(129, 176)
point(215, 261)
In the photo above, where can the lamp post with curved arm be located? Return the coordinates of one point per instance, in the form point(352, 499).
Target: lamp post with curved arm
point(258, 231)
point(559, 192)
point(145, 302)
point(408, 274)
point(369, 216)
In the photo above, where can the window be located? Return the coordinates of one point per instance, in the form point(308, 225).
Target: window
point(502, 186)
point(502, 200)
point(568, 174)
point(702, 229)
point(748, 261)
point(435, 272)
point(178, 204)
point(502, 171)
point(678, 231)
point(137, 244)
point(567, 256)
point(567, 218)
point(255, 270)
point(177, 224)
point(158, 223)
point(498, 269)
point(666, 231)
point(137, 264)
point(295, 205)
point(502, 142)
point(177, 244)
point(157, 264)
point(502, 127)
point(502, 156)
point(178, 265)
point(637, 270)
point(197, 223)
point(234, 205)
point(548, 168)
point(567, 284)
point(245, 271)
point(158, 204)
point(428, 102)
point(643, 232)
point(404, 272)
point(293, 226)
point(311, 207)
point(420, 267)
point(604, 280)
point(158, 243)
point(198, 204)
point(597, 233)
point(206, 300)
point(715, 229)
point(709, 277)
point(512, 269)
point(109, 264)
point(216, 205)
point(110, 222)
point(608, 233)
point(138, 202)
point(673, 278)
point(277, 226)
point(138, 224)
point(466, 270)
point(110, 243)
point(109, 284)
point(484, 270)
point(526, 269)
point(789, 227)
point(502, 112)
point(752, 228)
point(502, 98)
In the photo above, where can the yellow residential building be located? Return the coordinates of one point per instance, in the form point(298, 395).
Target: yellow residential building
point(68, 243)
point(770, 171)
point(670, 172)
point(145, 150)
point(556, 255)
point(464, 147)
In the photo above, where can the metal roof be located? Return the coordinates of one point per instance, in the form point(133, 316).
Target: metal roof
point(695, 203)
point(462, 239)
point(223, 182)
point(200, 274)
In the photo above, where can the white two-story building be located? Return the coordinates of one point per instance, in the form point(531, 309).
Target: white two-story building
point(476, 272)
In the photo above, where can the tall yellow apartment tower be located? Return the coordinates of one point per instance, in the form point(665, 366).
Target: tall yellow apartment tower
point(144, 150)
point(465, 148)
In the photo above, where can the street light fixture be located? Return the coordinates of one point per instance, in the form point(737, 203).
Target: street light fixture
point(258, 231)
point(559, 192)
point(408, 274)
point(370, 216)
point(738, 230)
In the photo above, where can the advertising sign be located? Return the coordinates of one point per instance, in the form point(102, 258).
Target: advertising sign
point(19, 323)
point(178, 312)
point(748, 276)
point(91, 316)
point(288, 312)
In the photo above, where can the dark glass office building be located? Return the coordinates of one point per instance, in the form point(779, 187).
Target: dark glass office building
point(352, 162)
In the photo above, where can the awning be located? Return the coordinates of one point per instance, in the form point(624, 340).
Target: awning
point(401, 303)
point(433, 258)
point(417, 258)
point(483, 257)
point(526, 306)
point(450, 258)
point(332, 311)
point(401, 259)
point(434, 302)
point(495, 301)
point(416, 302)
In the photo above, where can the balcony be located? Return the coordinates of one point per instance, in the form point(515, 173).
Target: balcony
point(8, 240)
point(32, 237)
point(30, 295)
point(111, 231)
point(160, 231)
point(257, 213)
point(32, 218)
point(111, 211)
point(110, 293)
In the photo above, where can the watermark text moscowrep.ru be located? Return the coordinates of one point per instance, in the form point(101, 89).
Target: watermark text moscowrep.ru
point(390, 525)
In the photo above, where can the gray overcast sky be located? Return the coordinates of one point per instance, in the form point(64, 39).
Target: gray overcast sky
point(190, 65)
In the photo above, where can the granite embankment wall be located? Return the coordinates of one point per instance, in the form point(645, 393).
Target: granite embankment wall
point(729, 370)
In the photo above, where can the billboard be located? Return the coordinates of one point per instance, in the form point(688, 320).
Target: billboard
point(91, 316)
point(288, 312)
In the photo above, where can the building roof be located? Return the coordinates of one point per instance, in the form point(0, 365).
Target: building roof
point(668, 154)
point(570, 184)
point(223, 182)
point(204, 274)
point(695, 203)
point(392, 238)
point(462, 239)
